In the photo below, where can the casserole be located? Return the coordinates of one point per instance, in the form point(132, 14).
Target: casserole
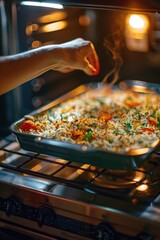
point(115, 127)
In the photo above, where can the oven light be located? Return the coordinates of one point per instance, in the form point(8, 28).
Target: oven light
point(41, 4)
point(136, 32)
point(142, 187)
point(137, 22)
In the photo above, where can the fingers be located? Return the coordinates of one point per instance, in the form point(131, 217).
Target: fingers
point(89, 58)
point(80, 54)
point(89, 68)
point(92, 60)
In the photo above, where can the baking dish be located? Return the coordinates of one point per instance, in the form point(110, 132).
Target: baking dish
point(128, 160)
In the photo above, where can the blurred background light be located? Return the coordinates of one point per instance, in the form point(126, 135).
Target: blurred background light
point(42, 4)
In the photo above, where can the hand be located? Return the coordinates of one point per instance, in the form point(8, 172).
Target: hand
point(65, 57)
point(79, 54)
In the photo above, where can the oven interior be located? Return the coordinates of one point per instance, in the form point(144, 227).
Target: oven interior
point(44, 197)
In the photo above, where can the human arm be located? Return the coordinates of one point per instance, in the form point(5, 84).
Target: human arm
point(20, 68)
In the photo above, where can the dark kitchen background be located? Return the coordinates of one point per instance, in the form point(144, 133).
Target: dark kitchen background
point(133, 52)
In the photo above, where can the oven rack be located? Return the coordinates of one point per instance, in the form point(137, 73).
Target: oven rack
point(51, 170)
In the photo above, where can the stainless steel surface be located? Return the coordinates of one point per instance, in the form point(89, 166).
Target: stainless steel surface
point(45, 197)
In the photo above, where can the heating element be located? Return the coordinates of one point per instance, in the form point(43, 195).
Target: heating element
point(44, 197)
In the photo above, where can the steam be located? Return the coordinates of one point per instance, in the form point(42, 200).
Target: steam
point(113, 44)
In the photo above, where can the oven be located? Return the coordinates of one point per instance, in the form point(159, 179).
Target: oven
point(47, 197)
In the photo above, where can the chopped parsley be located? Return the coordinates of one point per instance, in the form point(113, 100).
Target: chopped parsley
point(128, 126)
point(88, 136)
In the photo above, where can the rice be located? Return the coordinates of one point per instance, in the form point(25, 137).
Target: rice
point(114, 120)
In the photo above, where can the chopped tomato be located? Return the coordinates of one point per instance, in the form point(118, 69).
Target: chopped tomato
point(105, 116)
point(148, 130)
point(77, 134)
point(132, 103)
point(152, 121)
point(29, 125)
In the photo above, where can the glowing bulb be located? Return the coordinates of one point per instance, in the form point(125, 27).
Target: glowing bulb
point(136, 32)
point(136, 21)
point(142, 187)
